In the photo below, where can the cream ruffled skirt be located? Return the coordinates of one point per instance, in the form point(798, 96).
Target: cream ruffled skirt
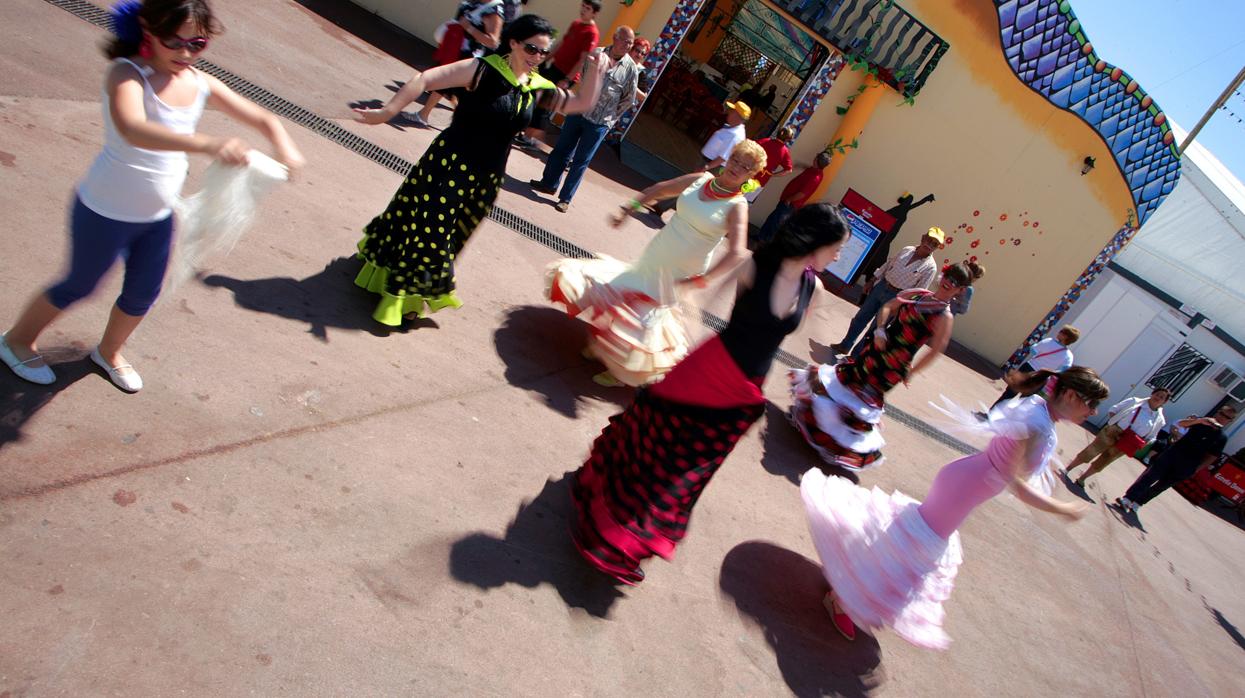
point(639, 338)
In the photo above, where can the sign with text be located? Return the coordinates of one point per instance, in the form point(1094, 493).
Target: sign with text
point(867, 223)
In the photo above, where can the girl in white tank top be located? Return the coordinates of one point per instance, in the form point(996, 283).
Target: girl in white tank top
point(152, 102)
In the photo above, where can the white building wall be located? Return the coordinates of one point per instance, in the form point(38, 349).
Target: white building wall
point(1126, 334)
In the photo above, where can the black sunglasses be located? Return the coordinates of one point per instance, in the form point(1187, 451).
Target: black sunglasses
point(194, 44)
point(1092, 404)
point(533, 49)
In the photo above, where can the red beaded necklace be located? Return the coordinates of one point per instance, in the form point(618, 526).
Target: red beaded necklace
point(711, 189)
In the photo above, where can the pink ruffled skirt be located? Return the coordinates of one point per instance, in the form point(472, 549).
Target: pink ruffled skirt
point(887, 567)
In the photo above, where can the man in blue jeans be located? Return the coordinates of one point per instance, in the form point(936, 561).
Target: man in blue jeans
point(582, 134)
point(912, 267)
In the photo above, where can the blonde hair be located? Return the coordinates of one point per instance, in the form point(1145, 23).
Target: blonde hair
point(753, 151)
point(1072, 333)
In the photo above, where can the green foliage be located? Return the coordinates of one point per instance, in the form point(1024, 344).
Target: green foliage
point(838, 146)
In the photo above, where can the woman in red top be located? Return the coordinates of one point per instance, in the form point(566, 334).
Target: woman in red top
point(777, 160)
point(564, 65)
point(794, 195)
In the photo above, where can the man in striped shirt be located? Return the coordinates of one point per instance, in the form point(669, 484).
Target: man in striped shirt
point(911, 267)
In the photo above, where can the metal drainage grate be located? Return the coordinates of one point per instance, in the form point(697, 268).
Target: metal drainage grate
point(400, 165)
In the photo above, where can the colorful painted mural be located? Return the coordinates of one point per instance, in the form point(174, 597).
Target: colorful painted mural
point(1049, 51)
point(983, 232)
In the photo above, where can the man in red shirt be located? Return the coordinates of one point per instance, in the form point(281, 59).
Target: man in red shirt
point(777, 159)
point(564, 65)
point(794, 195)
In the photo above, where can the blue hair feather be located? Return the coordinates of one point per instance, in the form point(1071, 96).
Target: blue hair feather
point(125, 24)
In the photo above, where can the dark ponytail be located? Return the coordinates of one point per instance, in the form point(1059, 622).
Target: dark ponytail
point(1085, 381)
point(161, 17)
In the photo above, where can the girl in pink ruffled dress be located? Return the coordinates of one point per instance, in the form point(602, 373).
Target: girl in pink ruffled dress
point(891, 560)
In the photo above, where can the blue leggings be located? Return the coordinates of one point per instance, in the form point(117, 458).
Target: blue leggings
point(97, 241)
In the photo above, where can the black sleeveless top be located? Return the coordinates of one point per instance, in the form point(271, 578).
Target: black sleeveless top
point(753, 335)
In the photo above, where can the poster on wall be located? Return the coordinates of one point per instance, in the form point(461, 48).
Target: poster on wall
point(867, 223)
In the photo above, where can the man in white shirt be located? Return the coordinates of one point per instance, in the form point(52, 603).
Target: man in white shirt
point(1048, 354)
point(1142, 416)
point(911, 267)
point(717, 149)
point(719, 146)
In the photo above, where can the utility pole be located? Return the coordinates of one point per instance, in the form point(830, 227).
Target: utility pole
point(1236, 82)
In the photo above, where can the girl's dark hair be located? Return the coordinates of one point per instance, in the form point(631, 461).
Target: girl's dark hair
point(976, 269)
point(810, 227)
point(1081, 379)
point(522, 29)
point(162, 18)
point(959, 274)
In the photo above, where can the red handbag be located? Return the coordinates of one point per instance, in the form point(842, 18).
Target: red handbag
point(1130, 441)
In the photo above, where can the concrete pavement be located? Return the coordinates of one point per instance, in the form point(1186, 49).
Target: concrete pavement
point(301, 502)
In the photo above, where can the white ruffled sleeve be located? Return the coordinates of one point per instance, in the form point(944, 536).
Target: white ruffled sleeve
point(1023, 420)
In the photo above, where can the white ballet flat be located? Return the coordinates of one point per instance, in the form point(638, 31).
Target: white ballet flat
point(41, 375)
point(130, 382)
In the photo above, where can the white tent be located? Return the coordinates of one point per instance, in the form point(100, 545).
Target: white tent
point(1193, 247)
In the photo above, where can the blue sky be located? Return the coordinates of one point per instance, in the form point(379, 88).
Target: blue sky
point(1183, 52)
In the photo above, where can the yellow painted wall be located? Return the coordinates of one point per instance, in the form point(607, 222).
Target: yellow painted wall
point(710, 36)
point(656, 19)
point(988, 147)
point(422, 17)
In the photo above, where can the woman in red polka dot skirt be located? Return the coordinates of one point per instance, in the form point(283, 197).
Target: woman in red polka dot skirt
point(838, 408)
point(408, 251)
point(634, 496)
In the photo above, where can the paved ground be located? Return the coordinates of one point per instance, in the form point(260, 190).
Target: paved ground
point(300, 502)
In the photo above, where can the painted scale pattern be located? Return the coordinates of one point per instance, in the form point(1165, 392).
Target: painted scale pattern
point(1049, 51)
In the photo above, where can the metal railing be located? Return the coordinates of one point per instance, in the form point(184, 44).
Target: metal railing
point(904, 51)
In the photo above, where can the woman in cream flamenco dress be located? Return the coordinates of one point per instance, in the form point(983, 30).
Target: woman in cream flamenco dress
point(891, 560)
point(632, 309)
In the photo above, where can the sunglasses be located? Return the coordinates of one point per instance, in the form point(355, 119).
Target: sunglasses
point(1091, 404)
point(194, 44)
point(533, 49)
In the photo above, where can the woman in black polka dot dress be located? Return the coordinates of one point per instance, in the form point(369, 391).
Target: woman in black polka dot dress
point(634, 496)
point(408, 251)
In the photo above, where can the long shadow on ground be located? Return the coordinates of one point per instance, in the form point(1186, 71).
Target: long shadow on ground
point(20, 400)
point(1229, 513)
point(536, 549)
point(1126, 517)
point(541, 348)
point(1227, 626)
point(323, 300)
point(1076, 489)
point(781, 591)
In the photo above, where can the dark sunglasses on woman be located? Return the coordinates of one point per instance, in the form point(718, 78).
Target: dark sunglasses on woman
point(533, 49)
point(194, 44)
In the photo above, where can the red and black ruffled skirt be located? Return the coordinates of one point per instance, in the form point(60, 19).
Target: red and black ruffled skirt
point(634, 496)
